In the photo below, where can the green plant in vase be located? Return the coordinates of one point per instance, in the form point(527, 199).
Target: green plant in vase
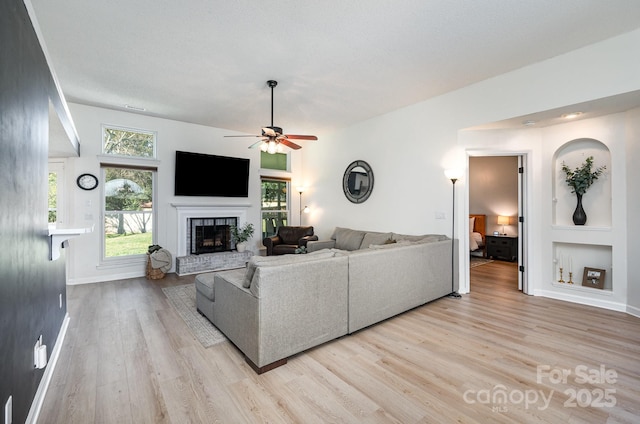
point(241, 235)
point(579, 180)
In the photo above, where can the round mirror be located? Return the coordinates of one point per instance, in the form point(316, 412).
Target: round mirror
point(357, 181)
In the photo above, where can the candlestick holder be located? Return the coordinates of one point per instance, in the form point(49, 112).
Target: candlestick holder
point(570, 278)
point(560, 280)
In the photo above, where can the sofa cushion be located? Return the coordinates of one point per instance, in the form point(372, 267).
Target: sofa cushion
point(204, 284)
point(375, 238)
point(288, 260)
point(390, 245)
point(256, 261)
point(425, 238)
point(347, 239)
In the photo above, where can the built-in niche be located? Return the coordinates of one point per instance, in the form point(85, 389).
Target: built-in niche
point(574, 257)
point(597, 200)
point(576, 247)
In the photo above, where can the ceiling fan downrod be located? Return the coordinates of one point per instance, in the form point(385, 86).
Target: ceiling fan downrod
point(272, 83)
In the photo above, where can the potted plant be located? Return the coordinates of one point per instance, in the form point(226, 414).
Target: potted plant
point(241, 235)
point(580, 179)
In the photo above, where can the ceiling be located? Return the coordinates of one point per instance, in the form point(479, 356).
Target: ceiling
point(337, 62)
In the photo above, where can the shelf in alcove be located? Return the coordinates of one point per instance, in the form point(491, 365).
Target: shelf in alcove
point(577, 286)
point(579, 228)
point(599, 236)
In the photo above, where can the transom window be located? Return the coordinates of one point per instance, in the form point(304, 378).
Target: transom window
point(120, 141)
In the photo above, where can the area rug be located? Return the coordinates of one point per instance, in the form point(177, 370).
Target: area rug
point(475, 261)
point(183, 300)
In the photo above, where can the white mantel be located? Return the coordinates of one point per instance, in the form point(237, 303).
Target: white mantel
point(187, 211)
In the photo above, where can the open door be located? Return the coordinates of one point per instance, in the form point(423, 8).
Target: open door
point(522, 228)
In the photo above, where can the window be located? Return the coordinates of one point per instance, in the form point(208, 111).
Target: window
point(128, 210)
point(128, 142)
point(129, 173)
point(275, 204)
point(56, 178)
point(277, 161)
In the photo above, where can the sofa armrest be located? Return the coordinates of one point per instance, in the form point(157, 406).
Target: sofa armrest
point(269, 242)
point(315, 245)
point(304, 240)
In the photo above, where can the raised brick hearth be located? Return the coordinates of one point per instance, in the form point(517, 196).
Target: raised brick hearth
point(194, 264)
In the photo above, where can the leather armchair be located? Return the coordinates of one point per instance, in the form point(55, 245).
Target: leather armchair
point(288, 239)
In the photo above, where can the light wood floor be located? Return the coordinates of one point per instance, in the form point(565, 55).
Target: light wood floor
point(129, 358)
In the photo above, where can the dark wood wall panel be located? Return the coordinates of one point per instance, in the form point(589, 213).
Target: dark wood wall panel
point(30, 284)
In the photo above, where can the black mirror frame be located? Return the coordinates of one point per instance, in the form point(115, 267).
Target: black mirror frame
point(345, 181)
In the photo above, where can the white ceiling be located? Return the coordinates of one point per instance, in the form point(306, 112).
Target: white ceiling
point(337, 62)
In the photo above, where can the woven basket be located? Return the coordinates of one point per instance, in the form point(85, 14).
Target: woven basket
point(153, 273)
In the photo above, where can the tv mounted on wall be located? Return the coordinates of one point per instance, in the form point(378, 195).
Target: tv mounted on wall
point(198, 174)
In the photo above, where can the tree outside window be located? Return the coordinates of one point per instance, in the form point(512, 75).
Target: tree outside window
point(128, 192)
point(275, 205)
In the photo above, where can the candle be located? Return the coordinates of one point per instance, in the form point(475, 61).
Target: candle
point(561, 260)
point(570, 264)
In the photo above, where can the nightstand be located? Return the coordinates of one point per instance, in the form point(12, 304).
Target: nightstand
point(502, 247)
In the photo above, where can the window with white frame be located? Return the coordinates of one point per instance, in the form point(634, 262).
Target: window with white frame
point(128, 192)
point(275, 204)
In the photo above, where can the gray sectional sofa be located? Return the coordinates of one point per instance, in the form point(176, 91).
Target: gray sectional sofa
point(279, 306)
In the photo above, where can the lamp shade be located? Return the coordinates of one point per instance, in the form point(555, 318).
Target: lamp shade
point(453, 174)
point(503, 220)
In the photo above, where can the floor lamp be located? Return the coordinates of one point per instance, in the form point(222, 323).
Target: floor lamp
point(453, 175)
point(306, 208)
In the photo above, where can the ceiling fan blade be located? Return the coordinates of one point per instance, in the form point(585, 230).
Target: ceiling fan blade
point(248, 135)
point(256, 144)
point(301, 137)
point(288, 143)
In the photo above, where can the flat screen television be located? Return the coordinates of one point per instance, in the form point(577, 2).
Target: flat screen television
point(198, 174)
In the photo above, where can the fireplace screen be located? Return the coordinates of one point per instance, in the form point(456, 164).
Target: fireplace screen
point(209, 235)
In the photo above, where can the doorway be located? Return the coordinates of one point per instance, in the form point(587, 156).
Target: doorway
point(496, 190)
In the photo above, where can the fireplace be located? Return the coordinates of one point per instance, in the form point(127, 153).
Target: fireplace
point(185, 212)
point(210, 235)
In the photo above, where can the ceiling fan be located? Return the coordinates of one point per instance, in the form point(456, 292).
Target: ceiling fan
point(272, 137)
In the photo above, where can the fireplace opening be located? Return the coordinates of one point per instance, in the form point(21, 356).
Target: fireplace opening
point(210, 235)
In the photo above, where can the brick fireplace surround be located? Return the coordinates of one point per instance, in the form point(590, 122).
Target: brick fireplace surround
point(192, 264)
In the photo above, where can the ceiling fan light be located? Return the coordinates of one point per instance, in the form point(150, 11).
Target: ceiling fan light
point(280, 148)
point(272, 147)
point(264, 146)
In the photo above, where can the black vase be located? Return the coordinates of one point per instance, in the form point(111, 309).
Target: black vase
point(579, 216)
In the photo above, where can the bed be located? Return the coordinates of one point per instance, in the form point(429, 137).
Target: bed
point(477, 232)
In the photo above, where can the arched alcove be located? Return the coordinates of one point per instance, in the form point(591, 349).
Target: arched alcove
point(597, 200)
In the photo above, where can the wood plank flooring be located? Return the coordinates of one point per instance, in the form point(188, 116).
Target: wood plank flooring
point(129, 358)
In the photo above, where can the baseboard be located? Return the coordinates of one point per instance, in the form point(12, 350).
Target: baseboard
point(583, 300)
point(632, 310)
point(103, 278)
point(38, 400)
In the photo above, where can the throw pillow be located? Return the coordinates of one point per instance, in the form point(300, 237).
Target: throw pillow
point(374, 238)
point(347, 239)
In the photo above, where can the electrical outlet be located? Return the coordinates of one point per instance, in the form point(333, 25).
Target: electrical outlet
point(8, 411)
point(441, 215)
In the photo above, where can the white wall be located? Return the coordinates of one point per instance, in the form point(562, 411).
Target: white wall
point(408, 149)
point(633, 209)
point(84, 263)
